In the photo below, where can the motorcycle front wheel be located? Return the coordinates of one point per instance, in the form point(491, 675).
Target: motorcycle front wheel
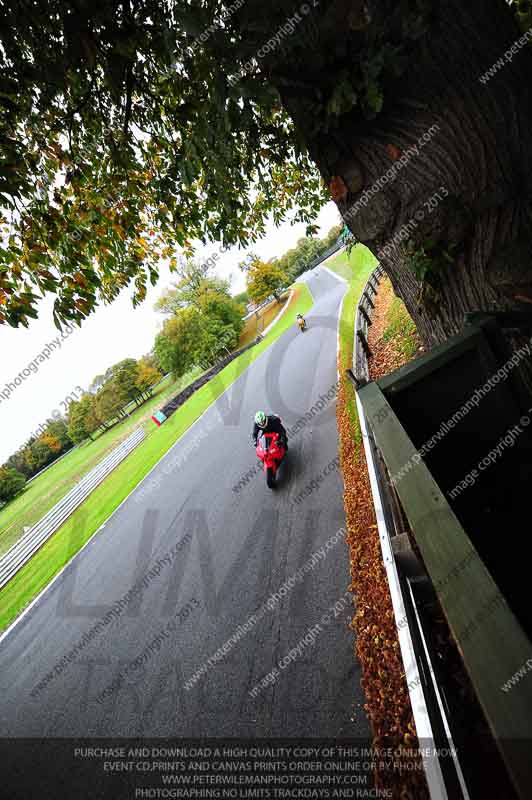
point(270, 478)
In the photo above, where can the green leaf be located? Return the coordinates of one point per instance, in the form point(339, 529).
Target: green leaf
point(374, 97)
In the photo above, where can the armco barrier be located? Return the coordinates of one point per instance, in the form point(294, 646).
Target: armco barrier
point(326, 253)
point(21, 552)
point(361, 349)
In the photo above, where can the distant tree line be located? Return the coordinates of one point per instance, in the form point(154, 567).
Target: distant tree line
point(295, 261)
point(109, 394)
point(105, 402)
point(203, 323)
point(34, 455)
point(267, 278)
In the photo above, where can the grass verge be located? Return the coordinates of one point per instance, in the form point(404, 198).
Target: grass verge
point(86, 520)
point(356, 269)
point(401, 330)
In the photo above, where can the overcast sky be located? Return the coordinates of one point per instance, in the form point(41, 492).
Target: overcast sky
point(110, 334)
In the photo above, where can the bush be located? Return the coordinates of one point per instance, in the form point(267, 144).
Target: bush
point(11, 483)
point(242, 298)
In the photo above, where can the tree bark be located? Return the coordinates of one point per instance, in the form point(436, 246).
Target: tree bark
point(476, 243)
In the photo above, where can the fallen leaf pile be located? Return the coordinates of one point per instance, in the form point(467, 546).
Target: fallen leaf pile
point(377, 647)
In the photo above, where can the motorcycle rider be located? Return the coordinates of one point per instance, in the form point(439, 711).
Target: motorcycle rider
point(269, 423)
point(300, 319)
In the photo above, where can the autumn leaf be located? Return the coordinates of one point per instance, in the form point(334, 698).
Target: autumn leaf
point(337, 188)
point(383, 680)
point(393, 152)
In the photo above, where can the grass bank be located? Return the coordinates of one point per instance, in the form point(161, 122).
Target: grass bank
point(356, 269)
point(401, 329)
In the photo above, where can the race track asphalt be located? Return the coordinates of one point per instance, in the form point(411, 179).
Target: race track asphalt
point(197, 544)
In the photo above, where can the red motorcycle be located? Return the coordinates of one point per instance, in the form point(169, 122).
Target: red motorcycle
point(271, 453)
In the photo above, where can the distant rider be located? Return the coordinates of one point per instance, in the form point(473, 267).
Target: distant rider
point(269, 423)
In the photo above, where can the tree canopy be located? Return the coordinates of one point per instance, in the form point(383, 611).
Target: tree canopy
point(11, 483)
point(298, 259)
point(109, 395)
point(82, 419)
point(204, 320)
point(195, 282)
point(263, 278)
point(50, 441)
point(179, 344)
point(123, 138)
point(130, 131)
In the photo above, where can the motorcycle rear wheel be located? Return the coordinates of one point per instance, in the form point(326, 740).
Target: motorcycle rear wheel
point(270, 478)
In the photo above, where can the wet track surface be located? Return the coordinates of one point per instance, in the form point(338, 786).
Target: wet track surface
point(208, 558)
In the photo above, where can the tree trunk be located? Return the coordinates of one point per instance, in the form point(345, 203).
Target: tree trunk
point(452, 224)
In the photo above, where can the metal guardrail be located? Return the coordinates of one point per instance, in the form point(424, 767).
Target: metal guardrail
point(21, 552)
point(389, 525)
point(265, 303)
point(361, 350)
point(326, 253)
point(258, 308)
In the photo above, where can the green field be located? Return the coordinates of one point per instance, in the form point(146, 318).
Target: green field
point(46, 490)
point(353, 267)
point(107, 497)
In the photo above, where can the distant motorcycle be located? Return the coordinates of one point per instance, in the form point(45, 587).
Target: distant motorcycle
point(301, 321)
point(271, 452)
